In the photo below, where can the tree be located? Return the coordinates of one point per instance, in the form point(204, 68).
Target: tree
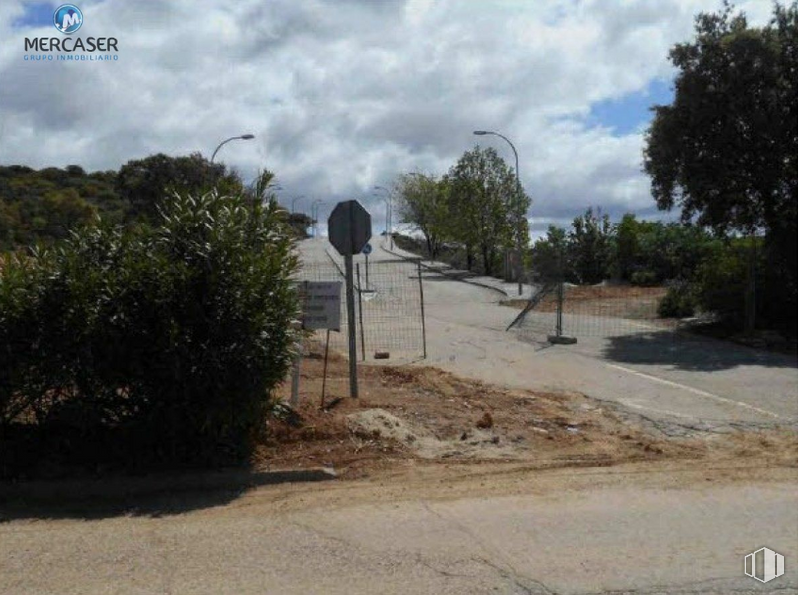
point(725, 150)
point(43, 206)
point(144, 182)
point(550, 256)
point(590, 245)
point(423, 202)
point(487, 208)
point(627, 245)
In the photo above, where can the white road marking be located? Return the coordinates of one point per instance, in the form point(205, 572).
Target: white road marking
point(695, 391)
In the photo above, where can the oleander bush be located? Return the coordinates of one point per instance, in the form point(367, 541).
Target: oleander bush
point(160, 343)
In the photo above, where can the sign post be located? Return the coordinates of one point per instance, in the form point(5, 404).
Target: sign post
point(321, 309)
point(349, 228)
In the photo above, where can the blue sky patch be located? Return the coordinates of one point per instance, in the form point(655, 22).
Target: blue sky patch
point(627, 114)
point(37, 14)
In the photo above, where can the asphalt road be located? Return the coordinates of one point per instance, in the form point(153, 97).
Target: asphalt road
point(680, 384)
point(575, 531)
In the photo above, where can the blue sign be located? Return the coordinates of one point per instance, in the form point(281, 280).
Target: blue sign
point(367, 249)
point(67, 18)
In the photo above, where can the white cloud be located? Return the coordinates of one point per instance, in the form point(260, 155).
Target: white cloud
point(345, 94)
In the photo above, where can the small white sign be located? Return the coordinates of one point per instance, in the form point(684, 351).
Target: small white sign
point(321, 305)
point(764, 565)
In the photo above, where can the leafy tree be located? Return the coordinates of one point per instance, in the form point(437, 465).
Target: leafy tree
point(144, 182)
point(299, 224)
point(42, 206)
point(590, 246)
point(725, 150)
point(487, 208)
point(627, 245)
point(423, 202)
point(549, 256)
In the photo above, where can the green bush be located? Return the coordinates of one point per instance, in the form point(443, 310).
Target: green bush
point(678, 302)
point(721, 284)
point(171, 336)
point(645, 278)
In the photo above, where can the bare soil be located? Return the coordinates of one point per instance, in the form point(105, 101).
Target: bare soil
point(412, 415)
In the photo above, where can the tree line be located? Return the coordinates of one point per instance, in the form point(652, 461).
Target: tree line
point(476, 206)
point(42, 206)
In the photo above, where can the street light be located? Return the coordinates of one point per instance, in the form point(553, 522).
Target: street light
point(388, 213)
point(518, 188)
point(314, 216)
point(224, 142)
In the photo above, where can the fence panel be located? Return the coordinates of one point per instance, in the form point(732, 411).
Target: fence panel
point(602, 310)
point(388, 308)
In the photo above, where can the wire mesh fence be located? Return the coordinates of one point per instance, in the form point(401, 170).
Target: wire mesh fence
point(602, 310)
point(389, 315)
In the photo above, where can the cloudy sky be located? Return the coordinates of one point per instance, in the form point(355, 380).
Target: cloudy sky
point(343, 95)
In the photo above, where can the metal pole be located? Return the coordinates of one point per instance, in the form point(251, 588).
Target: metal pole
point(314, 216)
point(360, 313)
point(295, 377)
point(324, 375)
point(298, 356)
point(423, 317)
point(518, 189)
point(388, 213)
point(561, 276)
point(350, 315)
point(750, 294)
point(367, 272)
point(224, 142)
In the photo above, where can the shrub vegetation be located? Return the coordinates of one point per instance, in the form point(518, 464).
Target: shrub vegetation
point(157, 343)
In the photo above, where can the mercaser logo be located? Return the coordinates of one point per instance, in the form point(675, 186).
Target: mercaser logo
point(764, 565)
point(67, 19)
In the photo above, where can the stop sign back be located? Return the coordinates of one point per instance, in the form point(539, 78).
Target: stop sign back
point(349, 227)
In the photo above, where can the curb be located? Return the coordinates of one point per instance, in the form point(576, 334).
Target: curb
point(232, 479)
point(441, 272)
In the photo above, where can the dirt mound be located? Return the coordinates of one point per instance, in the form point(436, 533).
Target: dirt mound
point(378, 424)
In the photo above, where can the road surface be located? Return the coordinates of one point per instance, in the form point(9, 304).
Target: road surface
point(639, 530)
point(681, 385)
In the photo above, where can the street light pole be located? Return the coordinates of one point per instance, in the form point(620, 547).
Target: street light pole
point(388, 213)
point(224, 142)
point(314, 216)
point(518, 189)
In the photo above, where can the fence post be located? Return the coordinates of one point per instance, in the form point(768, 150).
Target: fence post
point(360, 308)
point(558, 338)
point(423, 317)
point(351, 326)
point(750, 290)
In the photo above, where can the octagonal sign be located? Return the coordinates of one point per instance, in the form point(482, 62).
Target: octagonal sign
point(349, 227)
